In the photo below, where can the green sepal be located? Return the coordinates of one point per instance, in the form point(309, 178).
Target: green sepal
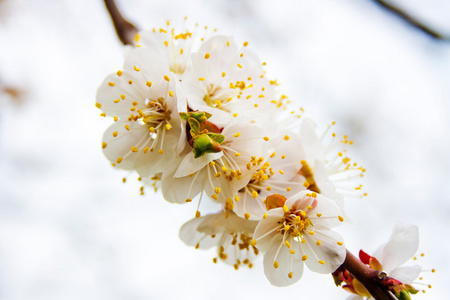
point(403, 295)
point(218, 138)
point(200, 116)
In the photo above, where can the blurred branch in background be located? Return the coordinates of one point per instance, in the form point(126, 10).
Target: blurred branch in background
point(124, 29)
point(411, 20)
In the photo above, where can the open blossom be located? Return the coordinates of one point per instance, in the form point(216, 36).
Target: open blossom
point(298, 231)
point(276, 172)
point(225, 80)
point(389, 258)
point(222, 172)
point(144, 99)
point(225, 230)
point(327, 168)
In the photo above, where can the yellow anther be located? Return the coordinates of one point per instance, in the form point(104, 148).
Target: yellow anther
point(124, 180)
point(115, 133)
point(292, 251)
point(134, 149)
point(119, 160)
point(119, 73)
point(136, 69)
point(253, 242)
point(116, 101)
point(247, 216)
point(286, 137)
point(276, 264)
point(168, 126)
point(237, 134)
point(149, 83)
point(181, 51)
point(266, 138)
point(188, 200)
point(201, 79)
point(228, 43)
point(218, 174)
point(104, 145)
point(321, 262)
point(433, 270)
point(160, 151)
point(341, 218)
point(304, 257)
point(245, 44)
point(197, 214)
point(127, 127)
point(281, 171)
point(102, 115)
point(287, 244)
point(318, 243)
point(340, 243)
point(133, 108)
point(288, 189)
point(166, 43)
point(166, 78)
point(146, 149)
point(98, 105)
point(224, 74)
point(269, 188)
point(217, 190)
point(170, 93)
point(242, 54)
point(197, 246)
point(214, 196)
point(303, 213)
point(130, 81)
point(207, 55)
point(111, 83)
point(239, 65)
point(265, 216)
point(136, 37)
point(311, 232)
point(255, 194)
point(237, 154)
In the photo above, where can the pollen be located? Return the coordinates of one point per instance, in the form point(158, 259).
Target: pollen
point(197, 214)
point(255, 194)
point(149, 83)
point(166, 78)
point(239, 65)
point(102, 115)
point(319, 242)
point(160, 151)
point(247, 216)
point(236, 198)
point(170, 93)
point(146, 149)
point(224, 74)
point(285, 208)
point(168, 126)
point(237, 154)
point(111, 83)
point(341, 218)
point(166, 43)
point(266, 138)
point(136, 69)
point(119, 73)
point(276, 264)
point(340, 243)
point(127, 127)
point(134, 149)
point(207, 55)
point(321, 262)
point(104, 145)
point(304, 257)
point(201, 79)
point(287, 244)
point(130, 81)
point(119, 160)
point(98, 105)
point(237, 134)
point(286, 138)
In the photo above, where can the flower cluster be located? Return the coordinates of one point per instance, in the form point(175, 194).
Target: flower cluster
point(199, 118)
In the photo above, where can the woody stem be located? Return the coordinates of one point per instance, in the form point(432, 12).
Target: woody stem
point(371, 279)
point(124, 29)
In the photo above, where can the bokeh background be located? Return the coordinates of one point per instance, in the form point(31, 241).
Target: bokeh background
point(69, 228)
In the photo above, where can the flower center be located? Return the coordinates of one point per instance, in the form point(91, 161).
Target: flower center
point(295, 223)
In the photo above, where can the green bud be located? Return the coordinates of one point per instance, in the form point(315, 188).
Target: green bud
point(404, 295)
point(203, 143)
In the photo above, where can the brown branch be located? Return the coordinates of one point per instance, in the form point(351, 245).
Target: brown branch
point(411, 20)
point(124, 29)
point(371, 279)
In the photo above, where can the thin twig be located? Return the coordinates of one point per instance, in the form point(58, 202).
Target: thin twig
point(369, 278)
point(411, 20)
point(124, 29)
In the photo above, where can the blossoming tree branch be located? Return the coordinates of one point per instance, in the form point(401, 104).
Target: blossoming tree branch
point(197, 117)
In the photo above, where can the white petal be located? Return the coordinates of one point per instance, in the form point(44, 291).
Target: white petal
point(177, 190)
point(329, 251)
point(191, 236)
point(191, 165)
point(266, 228)
point(406, 274)
point(402, 246)
point(287, 263)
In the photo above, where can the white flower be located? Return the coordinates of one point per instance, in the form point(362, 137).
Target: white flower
point(225, 230)
point(225, 171)
point(401, 247)
point(276, 172)
point(225, 80)
point(327, 168)
point(144, 99)
point(299, 232)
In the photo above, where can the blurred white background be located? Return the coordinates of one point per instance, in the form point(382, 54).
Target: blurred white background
point(69, 228)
